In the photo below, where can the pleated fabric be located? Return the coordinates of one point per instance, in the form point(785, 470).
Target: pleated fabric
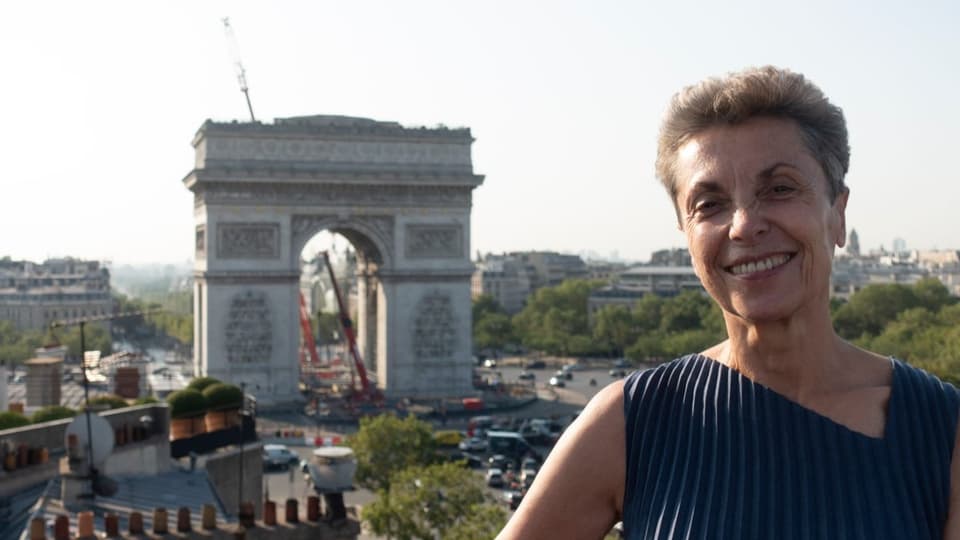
point(713, 455)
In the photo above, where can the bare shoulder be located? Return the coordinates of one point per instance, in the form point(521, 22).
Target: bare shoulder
point(579, 491)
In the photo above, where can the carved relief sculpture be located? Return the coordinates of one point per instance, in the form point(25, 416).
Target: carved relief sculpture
point(434, 328)
point(249, 331)
point(434, 241)
point(248, 240)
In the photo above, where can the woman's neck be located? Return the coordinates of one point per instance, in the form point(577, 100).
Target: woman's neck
point(795, 357)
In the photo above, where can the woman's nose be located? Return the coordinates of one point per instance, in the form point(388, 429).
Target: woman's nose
point(748, 223)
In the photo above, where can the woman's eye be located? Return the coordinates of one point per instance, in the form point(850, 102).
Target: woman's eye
point(705, 206)
point(782, 189)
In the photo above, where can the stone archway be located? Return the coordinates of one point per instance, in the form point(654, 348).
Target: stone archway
point(402, 196)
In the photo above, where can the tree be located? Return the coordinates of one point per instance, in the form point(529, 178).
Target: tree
point(871, 308)
point(111, 401)
point(615, 327)
point(386, 444)
point(492, 331)
point(555, 319)
point(434, 501)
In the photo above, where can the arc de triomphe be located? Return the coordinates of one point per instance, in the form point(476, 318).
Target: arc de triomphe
point(402, 196)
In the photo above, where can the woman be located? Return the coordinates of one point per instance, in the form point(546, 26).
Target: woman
point(784, 430)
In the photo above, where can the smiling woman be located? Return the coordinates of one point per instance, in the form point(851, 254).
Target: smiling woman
point(784, 429)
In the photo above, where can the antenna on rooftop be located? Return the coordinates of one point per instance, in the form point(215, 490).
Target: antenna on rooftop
point(237, 64)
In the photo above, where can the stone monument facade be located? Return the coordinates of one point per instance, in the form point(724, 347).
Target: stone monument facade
point(402, 196)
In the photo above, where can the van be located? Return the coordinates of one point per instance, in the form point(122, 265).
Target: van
point(510, 444)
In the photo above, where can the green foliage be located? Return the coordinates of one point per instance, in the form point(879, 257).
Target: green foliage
point(555, 320)
point(146, 400)
point(435, 501)
point(221, 396)
point(16, 345)
point(615, 328)
point(111, 401)
point(186, 403)
point(53, 412)
point(96, 337)
point(10, 420)
point(919, 324)
point(386, 444)
point(327, 327)
point(175, 320)
point(492, 328)
point(670, 327)
point(201, 383)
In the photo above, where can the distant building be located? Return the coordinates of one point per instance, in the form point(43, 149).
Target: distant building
point(671, 257)
point(638, 281)
point(43, 381)
point(853, 244)
point(549, 268)
point(504, 277)
point(34, 295)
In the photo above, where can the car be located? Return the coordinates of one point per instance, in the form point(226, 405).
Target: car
point(529, 463)
point(498, 461)
point(468, 460)
point(563, 374)
point(448, 437)
point(278, 455)
point(474, 444)
point(526, 375)
point(494, 477)
point(535, 364)
point(489, 363)
point(621, 363)
point(513, 498)
point(527, 476)
point(557, 382)
point(617, 372)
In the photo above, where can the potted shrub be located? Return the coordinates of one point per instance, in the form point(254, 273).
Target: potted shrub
point(186, 406)
point(223, 402)
point(201, 383)
point(110, 401)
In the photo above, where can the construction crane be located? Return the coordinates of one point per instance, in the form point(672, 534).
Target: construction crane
point(237, 64)
point(309, 343)
point(366, 392)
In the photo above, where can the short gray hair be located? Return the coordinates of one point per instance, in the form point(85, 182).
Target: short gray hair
point(764, 91)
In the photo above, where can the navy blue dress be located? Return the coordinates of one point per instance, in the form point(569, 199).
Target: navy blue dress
point(711, 454)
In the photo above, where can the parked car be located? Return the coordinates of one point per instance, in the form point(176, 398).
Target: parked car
point(278, 456)
point(469, 460)
point(498, 461)
point(557, 382)
point(474, 444)
point(494, 477)
point(448, 437)
point(535, 364)
point(513, 499)
point(526, 376)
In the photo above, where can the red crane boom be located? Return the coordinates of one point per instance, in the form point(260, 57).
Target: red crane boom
point(347, 325)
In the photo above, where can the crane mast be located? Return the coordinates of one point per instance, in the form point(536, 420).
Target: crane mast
point(238, 65)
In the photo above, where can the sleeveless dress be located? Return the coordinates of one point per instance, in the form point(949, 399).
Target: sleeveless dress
point(711, 454)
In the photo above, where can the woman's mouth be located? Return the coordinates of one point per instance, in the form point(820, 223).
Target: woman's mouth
point(767, 263)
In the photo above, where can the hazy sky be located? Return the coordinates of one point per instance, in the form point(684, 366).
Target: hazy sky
point(100, 101)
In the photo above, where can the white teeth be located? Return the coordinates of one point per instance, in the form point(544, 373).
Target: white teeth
point(761, 265)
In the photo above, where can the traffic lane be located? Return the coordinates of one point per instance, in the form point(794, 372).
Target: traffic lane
point(578, 385)
point(284, 483)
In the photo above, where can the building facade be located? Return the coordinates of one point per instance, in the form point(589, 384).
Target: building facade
point(504, 277)
point(34, 295)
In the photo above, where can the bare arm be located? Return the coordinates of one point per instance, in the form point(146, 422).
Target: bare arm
point(579, 491)
point(952, 529)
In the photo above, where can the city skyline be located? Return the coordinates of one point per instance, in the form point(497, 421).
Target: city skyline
point(564, 105)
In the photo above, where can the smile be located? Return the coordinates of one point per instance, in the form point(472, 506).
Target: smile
point(768, 263)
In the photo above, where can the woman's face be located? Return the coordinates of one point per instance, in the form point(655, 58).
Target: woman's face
point(755, 207)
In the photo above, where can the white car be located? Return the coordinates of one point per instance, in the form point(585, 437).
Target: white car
point(494, 477)
point(474, 444)
point(278, 455)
